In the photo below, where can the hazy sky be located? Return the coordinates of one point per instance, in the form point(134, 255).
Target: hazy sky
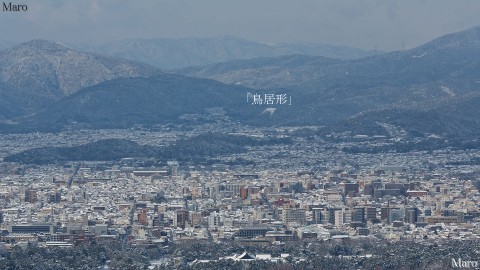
point(387, 24)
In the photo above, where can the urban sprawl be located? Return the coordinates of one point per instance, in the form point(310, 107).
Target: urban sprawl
point(309, 190)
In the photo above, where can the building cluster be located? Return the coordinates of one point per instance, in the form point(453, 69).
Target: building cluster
point(308, 190)
point(74, 205)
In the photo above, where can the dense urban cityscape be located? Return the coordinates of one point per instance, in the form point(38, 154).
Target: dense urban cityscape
point(245, 135)
point(306, 191)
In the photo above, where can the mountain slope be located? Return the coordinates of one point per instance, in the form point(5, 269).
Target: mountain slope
point(42, 72)
point(443, 70)
point(446, 56)
point(9, 108)
point(4, 44)
point(455, 119)
point(162, 98)
point(432, 89)
point(263, 73)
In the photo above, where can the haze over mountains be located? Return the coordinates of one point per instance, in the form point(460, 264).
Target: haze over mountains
point(265, 72)
point(434, 60)
point(6, 44)
point(185, 52)
point(437, 83)
point(433, 79)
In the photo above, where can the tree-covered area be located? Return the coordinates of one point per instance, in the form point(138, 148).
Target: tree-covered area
point(429, 144)
point(330, 254)
point(115, 255)
point(199, 149)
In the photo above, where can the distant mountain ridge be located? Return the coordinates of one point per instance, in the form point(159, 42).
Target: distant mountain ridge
point(433, 80)
point(175, 53)
point(38, 73)
point(263, 73)
point(431, 89)
point(433, 60)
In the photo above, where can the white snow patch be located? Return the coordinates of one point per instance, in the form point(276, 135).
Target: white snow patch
point(447, 91)
point(269, 110)
point(418, 56)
